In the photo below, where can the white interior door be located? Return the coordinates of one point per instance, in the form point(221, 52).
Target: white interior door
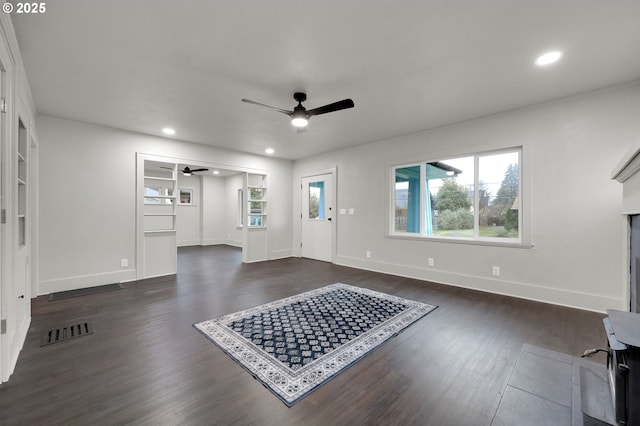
point(317, 217)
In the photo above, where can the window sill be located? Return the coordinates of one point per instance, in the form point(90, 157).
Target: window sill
point(468, 241)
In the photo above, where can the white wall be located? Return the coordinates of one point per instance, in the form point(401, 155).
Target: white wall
point(570, 148)
point(213, 210)
point(87, 199)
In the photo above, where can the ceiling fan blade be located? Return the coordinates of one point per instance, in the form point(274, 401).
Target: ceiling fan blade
point(284, 111)
point(199, 170)
point(336, 106)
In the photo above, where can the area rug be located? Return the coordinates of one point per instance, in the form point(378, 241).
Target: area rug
point(296, 344)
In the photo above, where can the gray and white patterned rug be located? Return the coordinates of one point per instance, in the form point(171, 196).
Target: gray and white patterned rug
point(294, 345)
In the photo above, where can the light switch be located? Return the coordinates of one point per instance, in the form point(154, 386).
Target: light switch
point(352, 211)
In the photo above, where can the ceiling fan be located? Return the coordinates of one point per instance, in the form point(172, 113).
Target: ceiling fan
point(187, 171)
point(300, 115)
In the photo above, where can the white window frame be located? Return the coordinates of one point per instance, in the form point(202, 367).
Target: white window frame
point(523, 240)
point(240, 211)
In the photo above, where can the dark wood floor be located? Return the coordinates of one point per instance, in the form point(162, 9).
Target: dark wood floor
point(145, 364)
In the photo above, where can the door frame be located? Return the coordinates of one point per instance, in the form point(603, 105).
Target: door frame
point(334, 198)
point(139, 202)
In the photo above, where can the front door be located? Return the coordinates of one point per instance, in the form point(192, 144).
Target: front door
point(317, 217)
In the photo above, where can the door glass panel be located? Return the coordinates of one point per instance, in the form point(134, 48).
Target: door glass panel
point(316, 200)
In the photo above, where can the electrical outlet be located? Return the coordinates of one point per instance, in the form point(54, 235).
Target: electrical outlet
point(495, 271)
point(124, 263)
point(430, 261)
point(368, 254)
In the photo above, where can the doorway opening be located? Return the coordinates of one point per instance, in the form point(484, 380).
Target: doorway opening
point(183, 203)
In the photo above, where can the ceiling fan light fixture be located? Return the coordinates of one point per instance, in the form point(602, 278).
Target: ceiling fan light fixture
point(548, 58)
point(299, 122)
point(299, 119)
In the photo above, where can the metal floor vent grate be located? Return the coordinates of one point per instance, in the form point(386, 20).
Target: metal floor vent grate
point(66, 333)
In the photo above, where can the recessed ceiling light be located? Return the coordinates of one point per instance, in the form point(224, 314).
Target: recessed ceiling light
point(269, 151)
point(216, 172)
point(548, 58)
point(168, 131)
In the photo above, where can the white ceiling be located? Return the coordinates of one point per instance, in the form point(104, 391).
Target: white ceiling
point(408, 66)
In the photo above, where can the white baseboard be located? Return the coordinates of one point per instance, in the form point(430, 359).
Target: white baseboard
point(281, 254)
point(233, 243)
point(187, 243)
point(212, 242)
point(538, 293)
point(14, 353)
point(83, 281)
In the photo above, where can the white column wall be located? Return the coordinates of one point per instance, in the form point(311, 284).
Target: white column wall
point(214, 207)
point(189, 217)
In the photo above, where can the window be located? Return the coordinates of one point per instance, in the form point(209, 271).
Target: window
point(158, 195)
point(316, 200)
point(473, 197)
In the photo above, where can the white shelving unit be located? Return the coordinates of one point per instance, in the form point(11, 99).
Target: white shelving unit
point(22, 184)
point(256, 201)
point(159, 198)
point(157, 219)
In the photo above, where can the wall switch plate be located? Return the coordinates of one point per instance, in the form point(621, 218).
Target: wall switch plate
point(352, 211)
point(368, 254)
point(343, 211)
point(495, 271)
point(124, 263)
point(430, 261)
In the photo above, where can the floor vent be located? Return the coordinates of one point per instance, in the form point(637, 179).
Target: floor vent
point(66, 333)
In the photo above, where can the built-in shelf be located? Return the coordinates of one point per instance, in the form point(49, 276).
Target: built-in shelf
point(159, 198)
point(256, 201)
point(21, 178)
point(160, 178)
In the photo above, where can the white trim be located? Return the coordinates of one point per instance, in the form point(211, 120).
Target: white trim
point(629, 166)
point(282, 254)
point(85, 281)
point(333, 171)
point(537, 293)
point(189, 243)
